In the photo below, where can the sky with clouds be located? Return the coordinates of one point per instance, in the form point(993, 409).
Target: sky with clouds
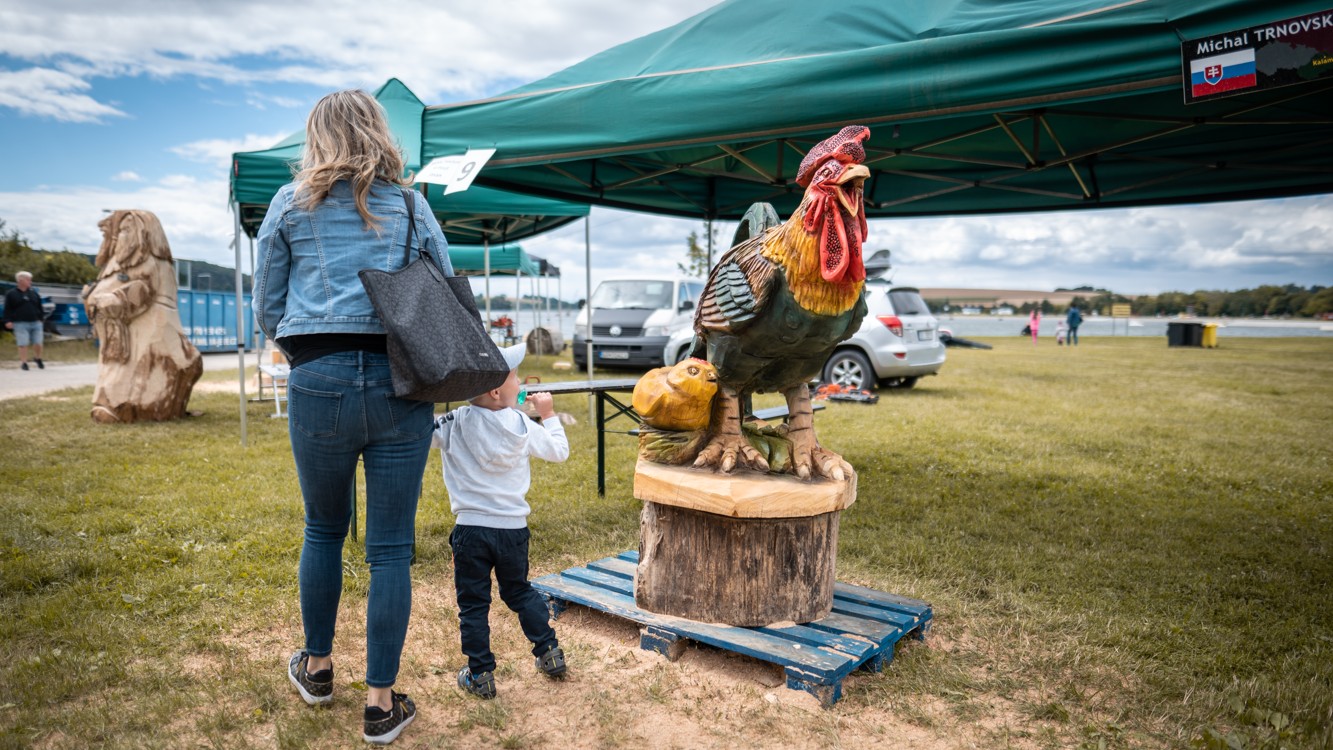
point(140, 104)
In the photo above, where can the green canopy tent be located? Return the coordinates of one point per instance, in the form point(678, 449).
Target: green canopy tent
point(472, 216)
point(505, 260)
point(974, 107)
point(478, 214)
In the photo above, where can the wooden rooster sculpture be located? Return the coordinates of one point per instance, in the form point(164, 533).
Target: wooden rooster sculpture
point(778, 303)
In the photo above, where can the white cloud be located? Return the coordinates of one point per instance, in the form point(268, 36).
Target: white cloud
point(451, 49)
point(218, 151)
point(193, 213)
point(262, 101)
point(446, 49)
point(1141, 250)
point(44, 92)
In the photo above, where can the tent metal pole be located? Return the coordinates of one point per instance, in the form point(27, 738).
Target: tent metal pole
point(255, 329)
point(544, 309)
point(587, 334)
point(710, 245)
point(240, 323)
point(486, 269)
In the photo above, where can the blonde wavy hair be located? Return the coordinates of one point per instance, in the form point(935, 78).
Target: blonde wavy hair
point(347, 138)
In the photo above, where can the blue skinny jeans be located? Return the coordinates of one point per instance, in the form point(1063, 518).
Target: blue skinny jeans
point(341, 408)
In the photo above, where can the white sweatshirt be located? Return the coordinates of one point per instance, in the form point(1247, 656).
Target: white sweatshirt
point(486, 462)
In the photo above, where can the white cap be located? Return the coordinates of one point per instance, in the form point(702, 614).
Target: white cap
point(514, 355)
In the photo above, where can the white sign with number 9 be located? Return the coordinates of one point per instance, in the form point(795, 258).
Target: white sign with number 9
point(456, 172)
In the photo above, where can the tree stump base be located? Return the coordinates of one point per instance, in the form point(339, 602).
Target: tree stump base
point(745, 549)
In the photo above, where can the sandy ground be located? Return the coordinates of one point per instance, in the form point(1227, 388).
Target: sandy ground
point(16, 383)
point(616, 695)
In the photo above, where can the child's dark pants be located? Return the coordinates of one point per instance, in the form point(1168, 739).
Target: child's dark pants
point(477, 551)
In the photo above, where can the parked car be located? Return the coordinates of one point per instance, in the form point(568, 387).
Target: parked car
point(897, 344)
point(633, 318)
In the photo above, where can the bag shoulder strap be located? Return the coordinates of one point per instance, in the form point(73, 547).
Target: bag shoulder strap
point(434, 268)
point(411, 224)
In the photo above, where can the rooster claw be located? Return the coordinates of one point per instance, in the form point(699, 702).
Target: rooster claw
point(725, 454)
point(824, 463)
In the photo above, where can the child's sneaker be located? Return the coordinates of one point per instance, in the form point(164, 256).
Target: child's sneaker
point(553, 662)
point(40, 365)
point(481, 685)
point(314, 688)
point(383, 727)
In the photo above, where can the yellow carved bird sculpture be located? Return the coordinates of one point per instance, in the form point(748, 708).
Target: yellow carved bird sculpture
point(679, 397)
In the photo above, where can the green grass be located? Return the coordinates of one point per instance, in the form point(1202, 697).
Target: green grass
point(1126, 545)
point(53, 350)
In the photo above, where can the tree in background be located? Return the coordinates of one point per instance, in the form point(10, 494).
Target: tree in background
point(1319, 304)
point(696, 256)
point(46, 266)
point(1269, 300)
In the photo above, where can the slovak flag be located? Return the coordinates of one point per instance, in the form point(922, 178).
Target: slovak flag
point(1220, 73)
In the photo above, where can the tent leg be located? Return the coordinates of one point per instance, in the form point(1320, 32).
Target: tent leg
point(255, 329)
point(587, 334)
point(240, 323)
point(710, 245)
point(486, 271)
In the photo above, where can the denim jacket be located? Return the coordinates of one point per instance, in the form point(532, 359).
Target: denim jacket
point(306, 278)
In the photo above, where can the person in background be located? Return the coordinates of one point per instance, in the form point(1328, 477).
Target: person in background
point(485, 447)
point(1061, 331)
point(346, 211)
point(1074, 319)
point(23, 316)
point(1034, 323)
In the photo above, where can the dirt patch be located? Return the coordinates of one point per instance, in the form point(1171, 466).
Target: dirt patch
point(222, 386)
point(617, 694)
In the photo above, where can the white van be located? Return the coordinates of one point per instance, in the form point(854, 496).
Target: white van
point(632, 319)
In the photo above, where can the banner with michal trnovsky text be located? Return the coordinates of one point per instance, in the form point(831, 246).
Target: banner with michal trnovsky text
point(1281, 53)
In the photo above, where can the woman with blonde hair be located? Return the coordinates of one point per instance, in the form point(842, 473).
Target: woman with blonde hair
point(347, 210)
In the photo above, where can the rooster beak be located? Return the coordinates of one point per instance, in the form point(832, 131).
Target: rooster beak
point(852, 178)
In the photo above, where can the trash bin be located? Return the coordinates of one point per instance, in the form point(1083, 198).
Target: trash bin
point(1184, 334)
point(1195, 331)
point(1210, 336)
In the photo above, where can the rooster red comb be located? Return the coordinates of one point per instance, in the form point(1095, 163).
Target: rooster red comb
point(845, 147)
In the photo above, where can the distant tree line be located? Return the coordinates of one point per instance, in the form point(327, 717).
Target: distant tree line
point(77, 269)
point(52, 267)
point(1269, 300)
point(528, 302)
point(1290, 301)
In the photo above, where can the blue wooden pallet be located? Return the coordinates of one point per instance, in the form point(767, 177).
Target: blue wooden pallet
point(861, 631)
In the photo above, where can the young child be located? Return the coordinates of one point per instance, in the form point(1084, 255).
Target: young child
point(485, 447)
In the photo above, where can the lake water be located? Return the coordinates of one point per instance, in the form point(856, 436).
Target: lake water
point(986, 325)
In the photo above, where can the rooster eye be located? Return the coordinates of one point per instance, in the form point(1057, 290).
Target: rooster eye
point(830, 170)
point(693, 370)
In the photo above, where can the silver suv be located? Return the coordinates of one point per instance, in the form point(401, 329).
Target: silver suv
point(897, 343)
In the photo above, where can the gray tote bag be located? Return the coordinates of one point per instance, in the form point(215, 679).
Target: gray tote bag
point(438, 348)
